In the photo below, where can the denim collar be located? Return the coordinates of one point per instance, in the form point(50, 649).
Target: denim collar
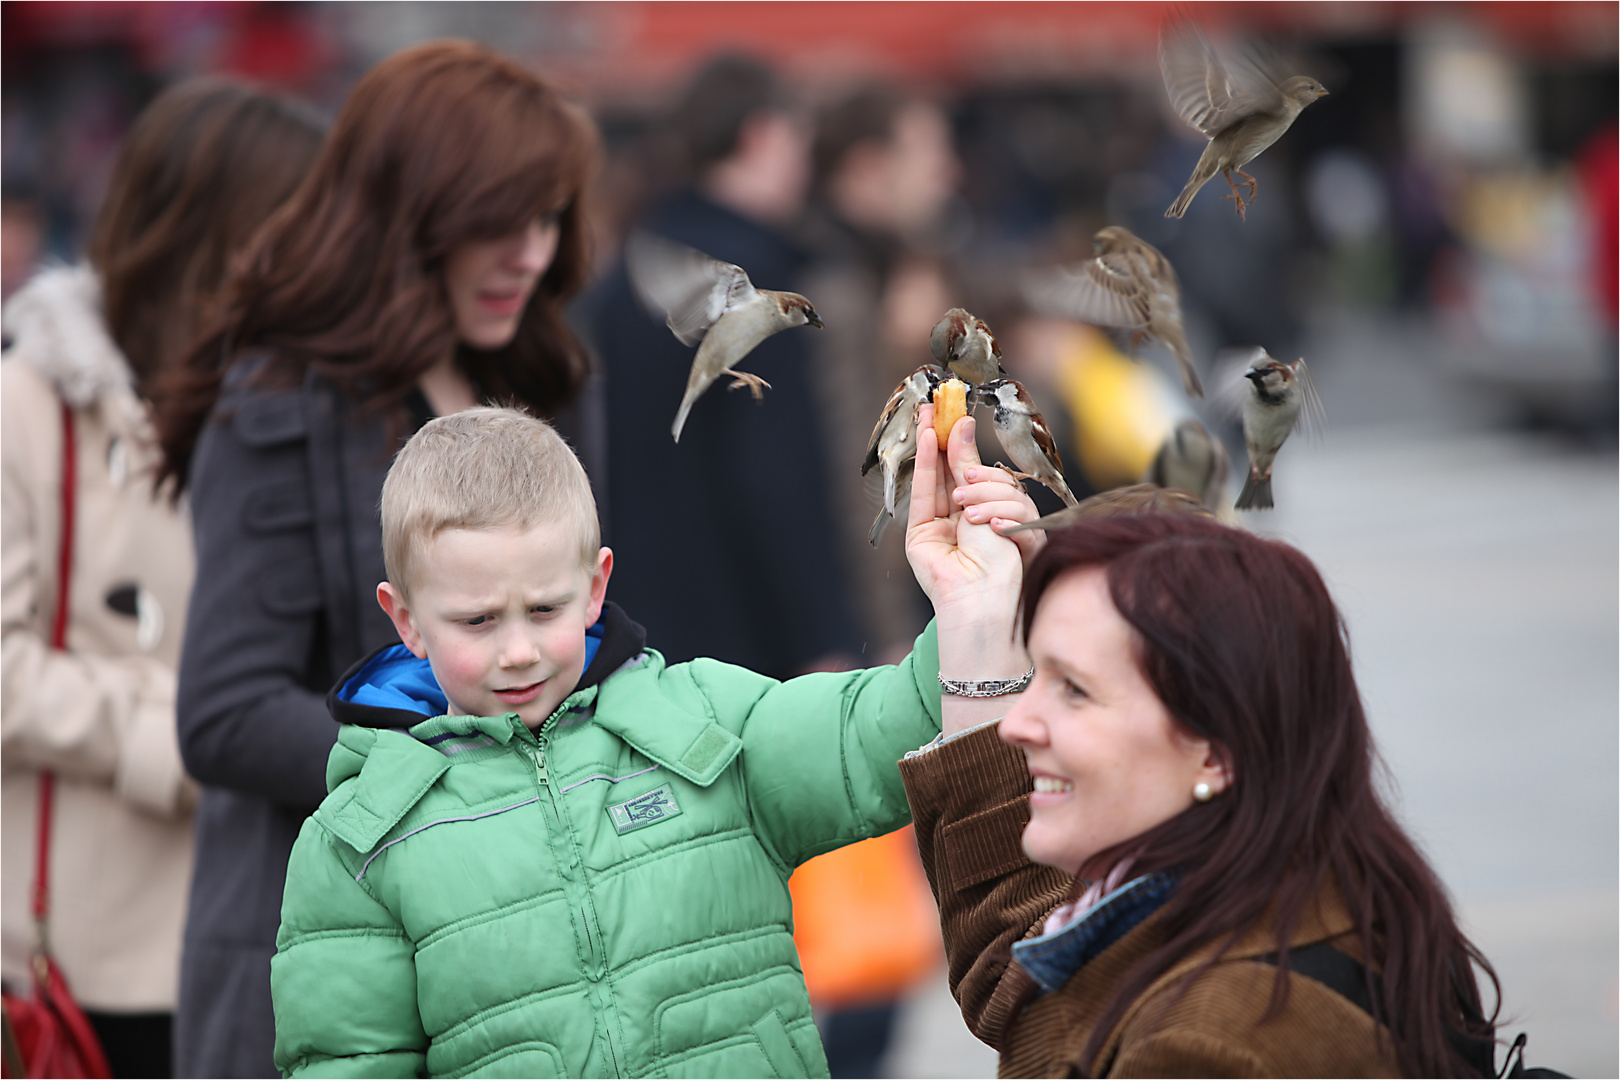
point(1052, 959)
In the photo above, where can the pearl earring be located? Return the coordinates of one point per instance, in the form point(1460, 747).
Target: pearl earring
point(1202, 792)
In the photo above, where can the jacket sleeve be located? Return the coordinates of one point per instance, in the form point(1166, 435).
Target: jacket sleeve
point(98, 717)
point(249, 718)
point(343, 980)
point(819, 752)
point(970, 802)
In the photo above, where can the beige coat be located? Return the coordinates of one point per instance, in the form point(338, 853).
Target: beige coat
point(101, 713)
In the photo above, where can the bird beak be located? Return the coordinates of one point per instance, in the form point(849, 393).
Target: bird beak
point(1256, 374)
point(1322, 93)
point(814, 320)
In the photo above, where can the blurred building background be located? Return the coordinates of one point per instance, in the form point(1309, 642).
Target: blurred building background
point(1437, 237)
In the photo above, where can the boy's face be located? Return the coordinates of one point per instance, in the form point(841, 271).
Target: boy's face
point(500, 615)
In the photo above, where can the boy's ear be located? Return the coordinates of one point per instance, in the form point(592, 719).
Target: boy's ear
point(393, 602)
point(599, 580)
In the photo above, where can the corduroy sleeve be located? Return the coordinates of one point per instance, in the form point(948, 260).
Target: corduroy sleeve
point(970, 802)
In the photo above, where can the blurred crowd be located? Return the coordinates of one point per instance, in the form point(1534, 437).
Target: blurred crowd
point(1461, 176)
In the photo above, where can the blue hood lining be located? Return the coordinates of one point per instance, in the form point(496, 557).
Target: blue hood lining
point(396, 679)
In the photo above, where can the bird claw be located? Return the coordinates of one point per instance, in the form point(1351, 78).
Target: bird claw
point(756, 385)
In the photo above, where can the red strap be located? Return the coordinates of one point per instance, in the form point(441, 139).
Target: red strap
point(59, 622)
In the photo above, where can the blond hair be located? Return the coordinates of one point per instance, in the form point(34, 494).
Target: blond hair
point(483, 468)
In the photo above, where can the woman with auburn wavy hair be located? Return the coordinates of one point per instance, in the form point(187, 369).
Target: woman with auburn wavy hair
point(419, 270)
point(1169, 858)
point(87, 704)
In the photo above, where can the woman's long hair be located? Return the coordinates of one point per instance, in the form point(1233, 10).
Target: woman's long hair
point(203, 167)
point(1240, 640)
point(439, 144)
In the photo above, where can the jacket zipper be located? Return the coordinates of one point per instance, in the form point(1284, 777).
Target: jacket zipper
point(537, 756)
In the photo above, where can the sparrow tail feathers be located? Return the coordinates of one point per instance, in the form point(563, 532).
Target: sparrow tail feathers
point(1256, 494)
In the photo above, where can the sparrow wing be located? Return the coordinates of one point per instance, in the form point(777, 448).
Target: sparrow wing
point(1043, 439)
point(1102, 291)
point(691, 289)
point(897, 401)
point(1312, 422)
point(1209, 91)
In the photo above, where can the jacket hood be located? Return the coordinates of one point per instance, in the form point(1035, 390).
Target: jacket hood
point(56, 323)
point(391, 688)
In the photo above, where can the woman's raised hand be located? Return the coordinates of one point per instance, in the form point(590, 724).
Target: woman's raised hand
point(959, 559)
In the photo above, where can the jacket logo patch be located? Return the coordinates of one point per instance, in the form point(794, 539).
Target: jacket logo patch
point(648, 809)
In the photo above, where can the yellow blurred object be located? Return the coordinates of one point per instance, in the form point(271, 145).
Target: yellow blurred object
point(864, 921)
point(1119, 406)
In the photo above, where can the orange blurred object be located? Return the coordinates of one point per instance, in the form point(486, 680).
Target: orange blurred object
point(865, 922)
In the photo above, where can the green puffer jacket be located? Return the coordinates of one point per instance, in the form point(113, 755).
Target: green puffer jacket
point(606, 896)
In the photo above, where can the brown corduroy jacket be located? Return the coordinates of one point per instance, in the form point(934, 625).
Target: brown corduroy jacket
point(970, 802)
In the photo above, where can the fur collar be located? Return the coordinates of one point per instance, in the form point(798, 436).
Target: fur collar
point(56, 326)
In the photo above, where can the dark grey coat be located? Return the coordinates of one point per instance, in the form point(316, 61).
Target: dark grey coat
point(284, 490)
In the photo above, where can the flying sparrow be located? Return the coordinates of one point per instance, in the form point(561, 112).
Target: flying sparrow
point(1023, 434)
point(1193, 461)
point(902, 496)
point(1120, 502)
point(712, 302)
point(894, 439)
point(1130, 285)
point(964, 344)
point(1238, 105)
point(1277, 395)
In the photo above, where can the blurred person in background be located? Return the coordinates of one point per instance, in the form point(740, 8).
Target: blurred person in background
point(885, 171)
point(725, 550)
point(201, 169)
point(421, 270)
point(22, 238)
point(1170, 856)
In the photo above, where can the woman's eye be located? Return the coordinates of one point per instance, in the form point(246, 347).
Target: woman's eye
point(1071, 690)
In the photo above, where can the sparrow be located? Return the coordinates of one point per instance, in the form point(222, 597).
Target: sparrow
point(1277, 395)
point(1130, 285)
point(1238, 105)
point(1193, 461)
point(964, 344)
point(1023, 434)
point(894, 439)
point(713, 303)
point(902, 497)
point(1130, 501)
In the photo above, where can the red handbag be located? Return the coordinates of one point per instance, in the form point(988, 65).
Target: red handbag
point(46, 1033)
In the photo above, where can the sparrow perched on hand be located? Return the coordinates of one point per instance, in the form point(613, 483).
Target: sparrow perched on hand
point(1023, 434)
point(1277, 395)
point(894, 439)
point(1238, 105)
point(1193, 461)
point(902, 498)
point(1130, 501)
point(1130, 285)
point(712, 302)
point(964, 344)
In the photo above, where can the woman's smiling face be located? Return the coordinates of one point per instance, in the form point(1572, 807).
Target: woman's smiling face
point(1109, 761)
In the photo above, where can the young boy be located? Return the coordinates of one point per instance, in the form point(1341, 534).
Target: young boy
point(545, 853)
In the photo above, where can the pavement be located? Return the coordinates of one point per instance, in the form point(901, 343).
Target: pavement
point(1478, 571)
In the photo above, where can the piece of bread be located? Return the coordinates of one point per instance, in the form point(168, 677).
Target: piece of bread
point(950, 405)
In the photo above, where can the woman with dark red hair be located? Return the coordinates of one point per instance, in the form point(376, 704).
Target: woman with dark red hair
point(1169, 858)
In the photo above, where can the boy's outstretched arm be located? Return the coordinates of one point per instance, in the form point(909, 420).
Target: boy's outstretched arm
point(971, 573)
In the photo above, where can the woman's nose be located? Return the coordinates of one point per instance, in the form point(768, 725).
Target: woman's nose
point(535, 246)
point(1020, 727)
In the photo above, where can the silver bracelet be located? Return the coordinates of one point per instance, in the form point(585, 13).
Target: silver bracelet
point(986, 687)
